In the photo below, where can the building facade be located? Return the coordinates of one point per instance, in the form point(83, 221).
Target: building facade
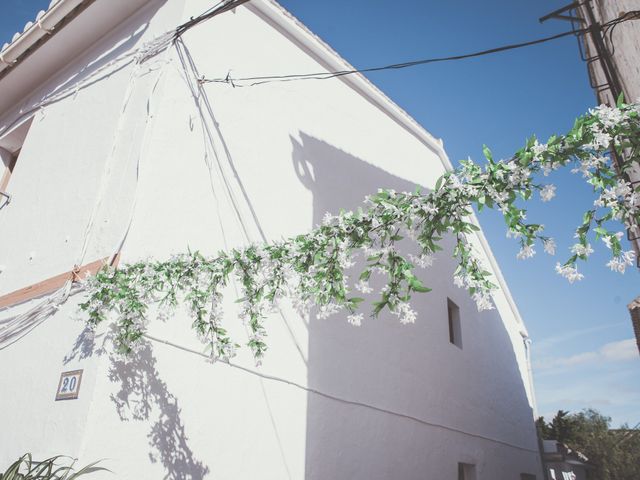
point(112, 143)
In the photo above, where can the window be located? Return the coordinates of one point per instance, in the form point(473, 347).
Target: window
point(455, 334)
point(10, 148)
point(527, 476)
point(8, 162)
point(466, 471)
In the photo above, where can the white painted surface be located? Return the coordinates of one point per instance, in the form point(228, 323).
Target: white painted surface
point(331, 400)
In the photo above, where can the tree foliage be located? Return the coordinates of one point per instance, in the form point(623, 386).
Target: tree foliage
point(614, 453)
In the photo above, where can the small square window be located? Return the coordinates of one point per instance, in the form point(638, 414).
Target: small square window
point(10, 148)
point(8, 163)
point(455, 333)
point(466, 471)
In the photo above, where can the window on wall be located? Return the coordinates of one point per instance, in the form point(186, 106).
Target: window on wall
point(8, 164)
point(466, 471)
point(455, 333)
point(10, 147)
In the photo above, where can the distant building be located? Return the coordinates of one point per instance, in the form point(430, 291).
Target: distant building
point(563, 463)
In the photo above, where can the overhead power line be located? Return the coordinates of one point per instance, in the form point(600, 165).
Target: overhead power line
point(221, 7)
point(260, 80)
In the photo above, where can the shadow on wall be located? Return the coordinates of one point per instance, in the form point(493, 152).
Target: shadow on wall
point(400, 376)
point(397, 369)
point(144, 396)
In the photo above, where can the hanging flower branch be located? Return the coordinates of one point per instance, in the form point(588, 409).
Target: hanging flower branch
point(311, 269)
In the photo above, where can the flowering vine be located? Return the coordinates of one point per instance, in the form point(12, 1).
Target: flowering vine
point(313, 269)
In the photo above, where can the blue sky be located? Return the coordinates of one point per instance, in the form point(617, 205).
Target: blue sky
point(583, 353)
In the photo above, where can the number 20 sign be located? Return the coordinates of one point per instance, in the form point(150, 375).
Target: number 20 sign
point(69, 385)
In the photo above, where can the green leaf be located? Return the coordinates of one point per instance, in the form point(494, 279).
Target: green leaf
point(487, 153)
point(420, 288)
point(378, 307)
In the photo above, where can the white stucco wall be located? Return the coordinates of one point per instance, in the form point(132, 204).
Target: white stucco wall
point(215, 167)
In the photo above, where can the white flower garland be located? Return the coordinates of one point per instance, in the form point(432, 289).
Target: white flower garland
point(311, 269)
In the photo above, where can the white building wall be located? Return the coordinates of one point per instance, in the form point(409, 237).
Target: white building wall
point(182, 166)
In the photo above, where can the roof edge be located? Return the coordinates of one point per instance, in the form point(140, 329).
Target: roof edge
point(283, 20)
point(47, 23)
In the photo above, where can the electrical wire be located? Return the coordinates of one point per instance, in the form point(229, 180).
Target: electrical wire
point(221, 7)
point(260, 80)
point(336, 398)
point(15, 328)
point(609, 29)
point(140, 55)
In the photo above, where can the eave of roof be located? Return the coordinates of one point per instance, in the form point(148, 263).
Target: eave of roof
point(46, 24)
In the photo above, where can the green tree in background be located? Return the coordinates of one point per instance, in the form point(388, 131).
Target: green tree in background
point(615, 453)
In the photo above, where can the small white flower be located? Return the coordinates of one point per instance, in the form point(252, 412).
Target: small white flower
point(513, 234)
point(455, 181)
point(607, 239)
point(582, 250)
point(550, 246)
point(608, 116)
point(355, 319)
point(429, 209)
point(327, 219)
point(483, 301)
point(363, 286)
point(422, 261)
point(526, 251)
point(569, 272)
point(539, 148)
point(345, 261)
point(619, 264)
point(548, 192)
point(405, 313)
point(325, 311)
point(601, 139)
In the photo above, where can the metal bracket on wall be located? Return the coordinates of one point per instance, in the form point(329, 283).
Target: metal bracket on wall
point(561, 14)
point(637, 237)
point(5, 199)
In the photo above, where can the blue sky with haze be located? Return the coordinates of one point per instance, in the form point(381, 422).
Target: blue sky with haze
point(584, 355)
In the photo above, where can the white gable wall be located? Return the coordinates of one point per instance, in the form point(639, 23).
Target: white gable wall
point(377, 401)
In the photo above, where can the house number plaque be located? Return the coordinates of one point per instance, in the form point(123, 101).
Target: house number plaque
point(69, 385)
